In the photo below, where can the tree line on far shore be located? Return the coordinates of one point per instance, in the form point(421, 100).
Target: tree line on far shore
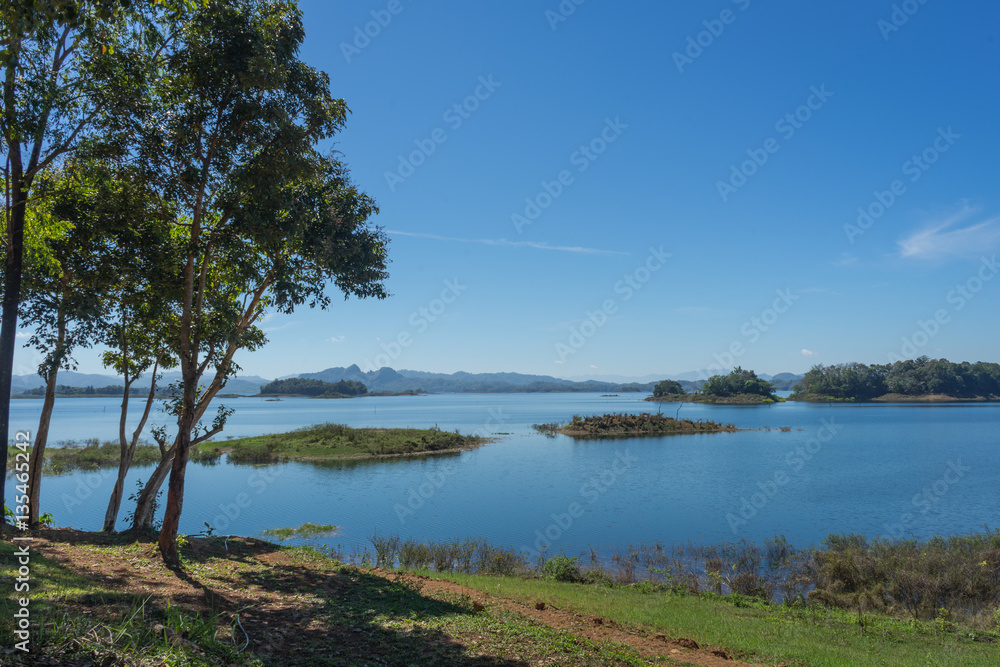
point(912, 377)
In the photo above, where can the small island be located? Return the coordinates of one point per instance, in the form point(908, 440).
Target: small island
point(620, 424)
point(335, 442)
point(740, 387)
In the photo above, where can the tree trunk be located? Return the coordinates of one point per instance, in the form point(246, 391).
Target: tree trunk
point(175, 492)
point(128, 451)
point(143, 516)
point(38, 448)
point(11, 296)
point(115, 503)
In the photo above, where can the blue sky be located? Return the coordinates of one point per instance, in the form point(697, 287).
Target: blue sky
point(694, 169)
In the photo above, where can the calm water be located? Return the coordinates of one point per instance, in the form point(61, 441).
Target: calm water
point(876, 469)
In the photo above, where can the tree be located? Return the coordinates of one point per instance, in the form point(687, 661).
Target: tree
point(48, 52)
point(668, 387)
point(226, 129)
point(65, 297)
point(738, 381)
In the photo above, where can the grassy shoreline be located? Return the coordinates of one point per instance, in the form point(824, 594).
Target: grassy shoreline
point(246, 602)
point(709, 399)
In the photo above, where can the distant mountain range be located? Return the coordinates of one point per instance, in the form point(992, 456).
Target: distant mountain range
point(390, 380)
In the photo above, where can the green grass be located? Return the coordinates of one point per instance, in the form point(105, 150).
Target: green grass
point(73, 618)
point(763, 632)
point(88, 455)
point(299, 607)
point(305, 530)
point(328, 442)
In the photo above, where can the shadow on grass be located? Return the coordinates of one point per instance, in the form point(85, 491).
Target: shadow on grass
point(292, 614)
point(362, 617)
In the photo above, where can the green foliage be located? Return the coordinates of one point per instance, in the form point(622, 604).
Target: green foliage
point(306, 387)
point(668, 387)
point(918, 577)
point(561, 568)
point(738, 381)
point(641, 424)
point(130, 517)
point(913, 377)
point(305, 530)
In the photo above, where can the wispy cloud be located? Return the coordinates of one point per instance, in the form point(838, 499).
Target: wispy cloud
point(337, 339)
point(845, 259)
point(952, 237)
point(511, 244)
point(22, 334)
point(279, 328)
point(808, 353)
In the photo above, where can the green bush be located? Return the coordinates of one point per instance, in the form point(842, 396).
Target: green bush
point(561, 568)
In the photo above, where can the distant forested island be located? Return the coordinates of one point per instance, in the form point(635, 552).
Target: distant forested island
point(313, 388)
point(914, 380)
point(739, 387)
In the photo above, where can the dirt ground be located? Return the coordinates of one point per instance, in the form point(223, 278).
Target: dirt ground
point(274, 606)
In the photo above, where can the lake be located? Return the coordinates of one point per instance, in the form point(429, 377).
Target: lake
point(876, 469)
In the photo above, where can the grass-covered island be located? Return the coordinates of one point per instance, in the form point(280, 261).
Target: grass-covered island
point(322, 442)
point(330, 442)
point(740, 387)
point(620, 424)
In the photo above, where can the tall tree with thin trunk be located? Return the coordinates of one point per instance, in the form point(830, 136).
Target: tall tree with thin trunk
point(66, 298)
point(138, 350)
point(46, 49)
point(227, 128)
